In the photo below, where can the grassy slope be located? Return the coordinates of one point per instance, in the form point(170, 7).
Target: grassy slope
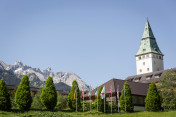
point(68, 113)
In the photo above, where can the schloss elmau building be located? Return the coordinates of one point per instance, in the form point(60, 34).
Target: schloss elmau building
point(149, 66)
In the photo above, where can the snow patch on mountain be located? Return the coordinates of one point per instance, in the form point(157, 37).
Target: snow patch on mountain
point(66, 77)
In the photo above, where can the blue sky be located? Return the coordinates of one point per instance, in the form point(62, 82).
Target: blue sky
point(96, 39)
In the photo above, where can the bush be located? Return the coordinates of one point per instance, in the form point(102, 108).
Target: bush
point(37, 104)
point(128, 97)
point(5, 103)
point(49, 96)
point(71, 102)
point(152, 101)
point(61, 101)
point(12, 98)
point(23, 97)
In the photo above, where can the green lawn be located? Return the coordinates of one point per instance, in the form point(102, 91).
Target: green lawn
point(67, 113)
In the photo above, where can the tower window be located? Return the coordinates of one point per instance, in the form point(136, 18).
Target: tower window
point(154, 62)
point(147, 55)
point(143, 56)
point(148, 69)
point(143, 63)
point(153, 56)
point(157, 57)
point(144, 49)
point(160, 57)
point(139, 58)
point(158, 69)
point(140, 70)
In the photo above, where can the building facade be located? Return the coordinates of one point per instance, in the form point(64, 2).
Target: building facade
point(149, 58)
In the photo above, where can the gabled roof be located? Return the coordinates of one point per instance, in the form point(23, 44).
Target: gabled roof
point(148, 42)
point(136, 88)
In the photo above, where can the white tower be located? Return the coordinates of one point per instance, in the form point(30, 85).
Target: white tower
point(149, 58)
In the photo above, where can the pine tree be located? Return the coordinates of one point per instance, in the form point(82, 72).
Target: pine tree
point(49, 96)
point(71, 102)
point(127, 97)
point(152, 101)
point(5, 103)
point(23, 97)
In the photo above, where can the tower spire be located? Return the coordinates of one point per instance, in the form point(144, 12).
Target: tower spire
point(147, 31)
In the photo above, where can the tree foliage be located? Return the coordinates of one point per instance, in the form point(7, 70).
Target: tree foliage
point(71, 102)
point(61, 101)
point(23, 97)
point(49, 96)
point(152, 101)
point(167, 87)
point(37, 104)
point(127, 97)
point(5, 103)
point(100, 101)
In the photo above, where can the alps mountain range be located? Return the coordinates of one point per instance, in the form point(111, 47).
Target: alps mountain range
point(38, 77)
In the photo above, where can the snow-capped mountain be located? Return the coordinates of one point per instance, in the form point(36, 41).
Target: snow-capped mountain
point(20, 69)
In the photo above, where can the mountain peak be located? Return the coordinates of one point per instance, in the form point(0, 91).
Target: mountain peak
point(18, 63)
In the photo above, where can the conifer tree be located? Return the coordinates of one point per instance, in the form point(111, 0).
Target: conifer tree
point(5, 103)
point(23, 97)
point(127, 97)
point(152, 101)
point(101, 101)
point(71, 102)
point(49, 96)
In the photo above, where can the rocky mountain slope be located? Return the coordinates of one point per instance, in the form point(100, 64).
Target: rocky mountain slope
point(38, 77)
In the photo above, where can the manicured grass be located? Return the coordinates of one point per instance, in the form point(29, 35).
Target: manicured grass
point(69, 113)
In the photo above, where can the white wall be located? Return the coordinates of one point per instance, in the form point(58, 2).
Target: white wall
point(149, 63)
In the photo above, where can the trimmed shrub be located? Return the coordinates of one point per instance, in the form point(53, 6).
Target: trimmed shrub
point(23, 97)
point(49, 96)
point(71, 102)
point(152, 101)
point(127, 97)
point(5, 103)
point(100, 101)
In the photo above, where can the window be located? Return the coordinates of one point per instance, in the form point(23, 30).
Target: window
point(158, 69)
point(143, 56)
point(148, 69)
point(148, 77)
point(140, 70)
point(144, 49)
point(157, 75)
point(137, 79)
point(156, 56)
point(153, 56)
point(147, 55)
point(143, 63)
point(139, 58)
point(160, 57)
point(154, 62)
